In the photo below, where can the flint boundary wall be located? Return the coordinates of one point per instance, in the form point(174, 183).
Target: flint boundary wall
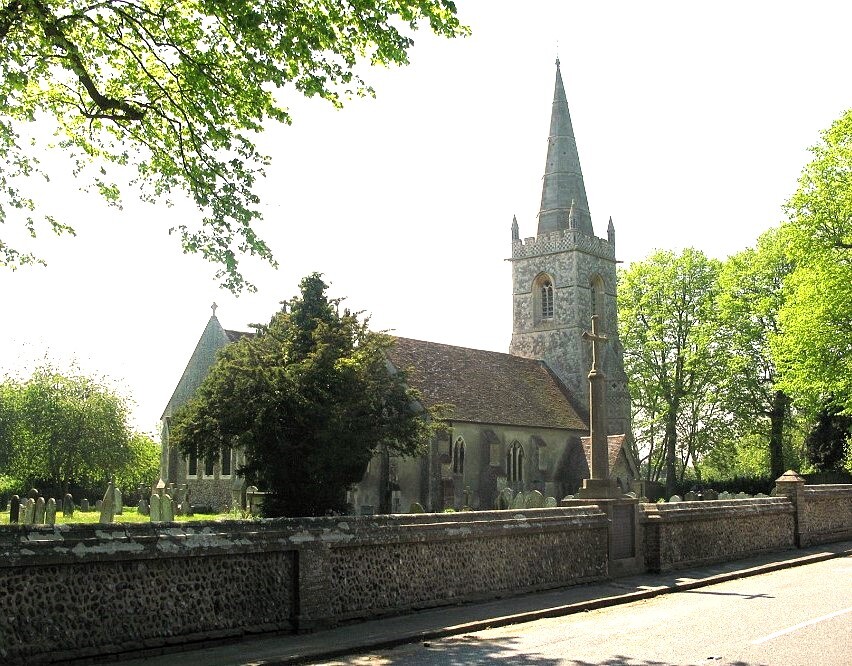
point(88, 591)
point(83, 591)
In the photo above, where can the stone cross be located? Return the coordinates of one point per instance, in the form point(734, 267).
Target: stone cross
point(597, 338)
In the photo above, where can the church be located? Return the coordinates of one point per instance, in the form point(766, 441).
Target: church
point(518, 420)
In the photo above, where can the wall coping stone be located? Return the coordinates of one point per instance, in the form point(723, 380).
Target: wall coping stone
point(43, 544)
point(714, 509)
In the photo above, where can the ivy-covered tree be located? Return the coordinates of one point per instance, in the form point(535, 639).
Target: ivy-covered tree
point(827, 442)
point(308, 398)
point(177, 91)
point(666, 324)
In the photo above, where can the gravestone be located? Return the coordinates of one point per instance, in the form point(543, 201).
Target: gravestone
point(142, 508)
point(550, 502)
point(68, 505)
point(167, 509)
point(84, 505)
point(108, 505)
point(180, 497)
point(367, 510)
point(675, 499)
point(724, 495)
point(416, 507)
point(27, 511)
point(14, 509)
point(154, 512)
point(518, 502)
point(118, 502)
point(50, 512)
point(39, 511)
point(187, 499)
point(504, 499)
point(710, 494)
point(534, 500)
point(33, 494)
point(691, 497)
point(742, 496)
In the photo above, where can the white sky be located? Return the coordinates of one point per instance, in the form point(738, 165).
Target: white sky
point(692, 122)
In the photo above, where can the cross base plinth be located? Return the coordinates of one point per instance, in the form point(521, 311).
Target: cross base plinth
point(600, 489)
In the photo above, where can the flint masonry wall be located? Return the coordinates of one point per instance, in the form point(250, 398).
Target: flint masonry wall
point(87, 590)
point(826, 514)
point(687, 534)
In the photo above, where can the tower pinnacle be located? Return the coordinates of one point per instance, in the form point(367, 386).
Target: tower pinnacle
point(563, 178)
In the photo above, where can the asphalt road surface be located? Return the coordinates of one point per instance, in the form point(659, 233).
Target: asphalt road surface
point(799, 616)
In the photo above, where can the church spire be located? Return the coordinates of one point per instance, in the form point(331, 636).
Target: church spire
point(563, 179)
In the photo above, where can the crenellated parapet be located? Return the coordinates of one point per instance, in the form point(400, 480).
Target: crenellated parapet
point(563, 241)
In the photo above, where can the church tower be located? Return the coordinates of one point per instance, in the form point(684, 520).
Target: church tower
point(565, 274)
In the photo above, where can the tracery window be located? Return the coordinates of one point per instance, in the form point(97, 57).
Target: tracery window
point(515, 463)
point(546, 299)
point(458, 456)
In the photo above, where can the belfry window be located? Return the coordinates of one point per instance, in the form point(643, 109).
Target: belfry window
point(546, 299)
point(596, 297)
point(515, 463)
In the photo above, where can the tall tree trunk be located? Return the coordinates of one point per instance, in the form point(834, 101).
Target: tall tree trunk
point(777, 416)
point(671, 445)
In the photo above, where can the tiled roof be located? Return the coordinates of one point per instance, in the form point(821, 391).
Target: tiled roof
point(233, 336)
point(486, 387)
point(614, 445)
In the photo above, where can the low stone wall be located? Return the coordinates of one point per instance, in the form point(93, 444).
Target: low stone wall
point(826, 515)
point(685, 534)
point(87, 590)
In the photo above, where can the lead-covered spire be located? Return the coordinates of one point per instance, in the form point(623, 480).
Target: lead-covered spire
point(563, 179)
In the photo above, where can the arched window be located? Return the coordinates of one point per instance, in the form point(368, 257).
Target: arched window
point(192, 463)
point(515, 463)
point(458, 456)
point(226, 461)
point(596, 294)
point(543, 297)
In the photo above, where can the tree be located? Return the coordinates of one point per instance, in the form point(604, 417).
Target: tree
point(665, 313)
point(828, 439)
point(814, 350)
point(750, 299)
point(178, 90)
point(69, 429)
point(309, 399)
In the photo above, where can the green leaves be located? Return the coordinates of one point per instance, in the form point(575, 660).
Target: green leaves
point(178, 90)
point(309, 400)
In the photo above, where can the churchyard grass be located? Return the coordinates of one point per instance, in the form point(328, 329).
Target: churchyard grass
point(130, 515)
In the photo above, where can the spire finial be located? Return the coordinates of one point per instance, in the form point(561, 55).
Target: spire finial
point(214, 307)
point(557, 54)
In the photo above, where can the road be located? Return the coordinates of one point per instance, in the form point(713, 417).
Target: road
point(799, 616)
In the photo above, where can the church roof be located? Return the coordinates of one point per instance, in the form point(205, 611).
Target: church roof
point(563, 194)
point(614, 446)
point(486, 387)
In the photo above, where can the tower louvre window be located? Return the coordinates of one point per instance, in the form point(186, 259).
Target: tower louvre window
point(547, 299)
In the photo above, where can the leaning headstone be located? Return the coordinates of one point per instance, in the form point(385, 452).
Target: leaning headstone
point(518, 502)
point(675, 498)
point(84, 505)
point(68, 505)
point(143, 508)
point(550, 503)
point(14, 509)
point(534, 500)
point(691, 497)
point(155, 514)
point(38, 519)
point(167, 510)
point(50, 512)
point(710, 494)
point(416, 507)
point(118, 501)
point(108, 505)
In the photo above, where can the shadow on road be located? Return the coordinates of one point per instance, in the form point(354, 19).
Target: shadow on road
point(468, 650)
